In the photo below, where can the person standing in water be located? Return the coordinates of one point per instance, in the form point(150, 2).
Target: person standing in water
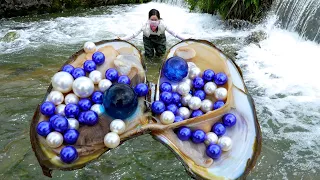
point(154, 38)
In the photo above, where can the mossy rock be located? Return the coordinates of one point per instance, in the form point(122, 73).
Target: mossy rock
point(10, 36)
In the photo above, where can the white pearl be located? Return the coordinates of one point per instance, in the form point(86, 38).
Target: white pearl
point(206, 105)
point(56, 97)
point(188, 81)
point(54, 139)
point(183, 89)
point(83, 87)
point(212, 138)
point(95, 76)
point(185, 99)
point(60, 109)
point(98, 108)
point(111, 140)
point(191, 65)
point(118, 126)
point(225, 143)
point(184, 112)
point(71, 98)
point(167, 117)
point(104, 84)
point(73, 123)
point(194, 103)
point(194, 72)
point(221, 93)
point(209, 88)
point(62, 81)
point(174, 87)
point(89, 47)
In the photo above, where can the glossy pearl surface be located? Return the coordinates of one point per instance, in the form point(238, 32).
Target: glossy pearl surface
point(194, 103)
point(68, 154)
point(185, 99)
point(218, 104)
point(194, 72)
point(73, 123)
point(167, 117)
point(97, 97)
point(68, 68)
point(54, 139)
point(221, 93)
point(62, 81)
point(60, 109)
point(95, 76)
point(208, 75)
point(47, 108)
point(118, 126)
point(104, 84)
point(78, 72)
point(111, 140)
point(206, 105)
point(98, 108)
point(198, 136)
point(212, 138)
point(83, 87)
point(56, 97)
point(85, 104)
point(72, 110)
point(71, 136)
point(225, 143)
point(158, 107)
point(219, 129)
point(71, 98)
point(213, 151)
point(175, 69)
point(89, 47)
point(98, 58)
point(165, 87)
point(44, 128)
point(209, 88)
point(184, 112)
point(183, 89)
point(220, 78)
point(141, 90)
point(229, 120)
point(184, 133)
point(89, 66)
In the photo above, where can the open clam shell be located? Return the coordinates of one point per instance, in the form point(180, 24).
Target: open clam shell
point(245, 135)
point(90, 144)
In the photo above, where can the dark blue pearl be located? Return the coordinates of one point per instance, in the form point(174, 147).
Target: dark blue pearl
point(173, 108)
point(98, 58)
point(165, 87)
point(200, 94)
point(44, 128)
point(220, 78)
point(191, 92)
point(198, 83)
point(196, 113)
point(47, 108)
point(84, 104)
point(166, 97)
point(68, 154)
point(179, 105)
point(60, 124)
point(141, 89)
point(198, 136)
point(97, 97)
point(68, 68)
point(89, 66)
point(81, 118)
point(112, 74)
point(218, 104)
point(176, 98)
point(71, 110)
point(208, 75)
point(229, 120)
point(175, 69)
point(158, 107)
point(213, 151)
point(120, 101)
point(54, 117)
point(178, 119)
point(71, 136)
point(78, 72)
point(184, 133)
point(219, 129)
point(124, 79)
point(91, 118)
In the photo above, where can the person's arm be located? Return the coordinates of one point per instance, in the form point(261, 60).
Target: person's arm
point(176, 35)
point(128, 37)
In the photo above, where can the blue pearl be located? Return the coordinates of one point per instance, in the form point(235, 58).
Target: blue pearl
point(141, 89)
point(179, 105)
point(166, 97)
point(208, 75)
point(158, 107)
point(78, 72)
point(71, 136)
point(219, 129)
point(84, 104)
point(90, 118)
point(198, 83)
point(98, 58)
point(198, 136)
point(229, 120)
point(200, 94)
point(196, 113)
point(173, 108)
point(220, 78)
point(165, 87)
point(176, 98)
point(68, 68)
point(124, 79)
point(71, 110)
point(97, 97)
point(175, 69)
point(60, 124)
point(191, 92)
point(178, 119)
point(44, 128)
point(213, 151)
point(68, 154)
point(47, 108)
point(112, 74)
point(184, 133)
point(89, 66)
point(218, 104)
point(54, 117)
point(120, 101)
point(81, 118)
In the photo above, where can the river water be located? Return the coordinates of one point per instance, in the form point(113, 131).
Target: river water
point(281, 73)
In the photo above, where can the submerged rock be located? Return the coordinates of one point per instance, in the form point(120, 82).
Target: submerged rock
point(10, 36)
point(255, 37)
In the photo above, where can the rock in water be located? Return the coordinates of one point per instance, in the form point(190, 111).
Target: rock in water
point(10, 36)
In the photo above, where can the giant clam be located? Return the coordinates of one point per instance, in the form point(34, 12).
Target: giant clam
point(126, 59)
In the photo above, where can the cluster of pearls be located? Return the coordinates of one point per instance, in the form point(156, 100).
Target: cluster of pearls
point(112, 139)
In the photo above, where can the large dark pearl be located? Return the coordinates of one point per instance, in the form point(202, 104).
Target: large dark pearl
point(120, 101)
point(175, 69)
